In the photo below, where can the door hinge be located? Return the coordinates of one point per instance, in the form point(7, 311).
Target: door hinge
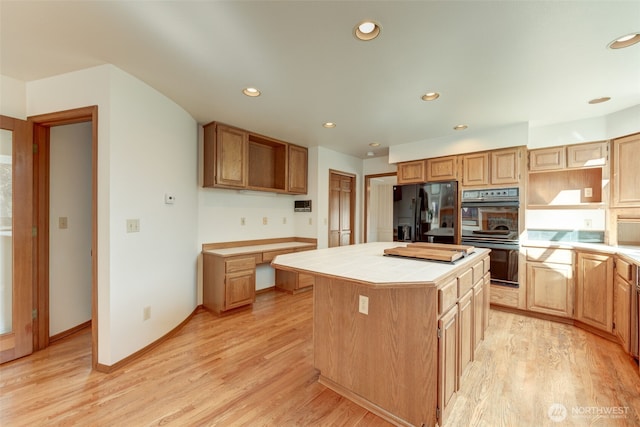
point(35, 148)
point(34, 313)
point(437, 412)
point(34, 231)
point(439, 333)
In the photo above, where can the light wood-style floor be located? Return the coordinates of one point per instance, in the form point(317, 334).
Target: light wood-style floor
point(255, 368)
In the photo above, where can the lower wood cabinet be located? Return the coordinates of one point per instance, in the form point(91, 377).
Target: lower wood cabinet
point(623, 283)
point(293, 282)
point(550, 282)
point(594, 290)
point(447, 362)
point(466, 318)
point(228, 283)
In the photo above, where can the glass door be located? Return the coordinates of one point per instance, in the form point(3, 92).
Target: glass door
point(16, 190)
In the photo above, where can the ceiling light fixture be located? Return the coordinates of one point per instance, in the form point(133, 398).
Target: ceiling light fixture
point(251, 91)
point(460, 127)
point(366, 30)
point(599, 100)
point(374, 144)
point(625, 41)
point(329, 125)
point(370, 153)
point(430, 96)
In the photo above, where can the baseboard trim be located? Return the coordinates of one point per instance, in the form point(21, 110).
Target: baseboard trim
point(68, 332)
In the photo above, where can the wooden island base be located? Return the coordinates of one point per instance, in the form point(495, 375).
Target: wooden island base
point(394, 335)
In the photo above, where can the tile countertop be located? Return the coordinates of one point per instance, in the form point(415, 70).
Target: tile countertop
point(366, 262)
point(240, 250)
point(630, 252)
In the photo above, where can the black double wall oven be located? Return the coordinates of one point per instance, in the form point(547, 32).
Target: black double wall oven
point(490, 219)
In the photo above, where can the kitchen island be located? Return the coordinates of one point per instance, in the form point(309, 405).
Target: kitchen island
point(394, 334)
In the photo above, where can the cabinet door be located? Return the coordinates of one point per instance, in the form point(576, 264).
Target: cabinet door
point(412, 172)
point(550, 288)
point(447, 362)
point(622, 311)
point(240, 289)
point(547, 159)
point(594, 290)
point(585, 155)
point(231, 157)
point(478, 314)
point(297, 170)
point(626, 173)
point(487, 300)
point(505, 166)
point(465, 317)
point(442, 168)
point(475, 169)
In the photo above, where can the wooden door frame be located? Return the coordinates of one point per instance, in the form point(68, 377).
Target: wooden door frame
point(352, 204)
point(367, 196)
point(41, 169)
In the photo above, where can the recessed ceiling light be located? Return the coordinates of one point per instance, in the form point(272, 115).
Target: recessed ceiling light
point(366, 30)
point(599, 100)
point(374, 144)
point(625, 41)
point(251, 91)
point(460, 127)
point(430, 96)
point(329, 125)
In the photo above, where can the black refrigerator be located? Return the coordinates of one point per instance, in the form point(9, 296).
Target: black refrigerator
point(425, 212)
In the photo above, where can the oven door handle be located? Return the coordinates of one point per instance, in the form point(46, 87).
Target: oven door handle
point(499, 203)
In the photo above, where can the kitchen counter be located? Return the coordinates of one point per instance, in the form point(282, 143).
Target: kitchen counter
point(366, 263)
point(385, 329)
point(632, 253)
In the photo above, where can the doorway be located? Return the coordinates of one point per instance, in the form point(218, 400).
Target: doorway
point(342, 199)
point(49, 221)
point(378, 207)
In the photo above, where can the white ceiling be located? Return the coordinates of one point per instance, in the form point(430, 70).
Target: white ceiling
point(495, 63)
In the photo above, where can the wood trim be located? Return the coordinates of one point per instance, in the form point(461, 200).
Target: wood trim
point(69, 332)
point(41, 124)
point(111, 368)
point(367, 196)
point(352, 204)
point(241, 243)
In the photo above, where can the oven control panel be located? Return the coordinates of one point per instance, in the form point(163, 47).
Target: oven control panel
point(511, 193)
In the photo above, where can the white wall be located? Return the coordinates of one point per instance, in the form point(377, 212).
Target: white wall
point(13, 99)
point(70, 248)
point(147, 146)
point(462, 142)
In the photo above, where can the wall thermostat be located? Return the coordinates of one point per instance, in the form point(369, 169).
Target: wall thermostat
point(302, 206)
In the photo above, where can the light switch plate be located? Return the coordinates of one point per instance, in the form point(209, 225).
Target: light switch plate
point(63, 223)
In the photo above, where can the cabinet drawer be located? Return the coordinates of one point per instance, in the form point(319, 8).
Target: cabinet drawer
point(238, 264)
point(465, 282)
point(305, 280)
point(478, 272)
point(558, 256)
point(269, 256)
point(447, 295)
point(624, 269)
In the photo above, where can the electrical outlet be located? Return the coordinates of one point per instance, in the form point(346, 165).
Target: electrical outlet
point(588, 223)
point(133, 225)
point(363, 304)
point(588, 192)
point(310, 221)
point(146, 313)
point(63, 223)
point(265, 220)
point(284, 219)
point(243, 221)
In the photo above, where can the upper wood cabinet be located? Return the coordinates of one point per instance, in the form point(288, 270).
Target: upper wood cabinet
point(505, 166)
point(593, 154)
point(225, 154)
point(412, 172)
point(442, 169)
point(475, 169)
point(552, 158)
point(238, 159)
point(626, 173)
point(298, 160)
